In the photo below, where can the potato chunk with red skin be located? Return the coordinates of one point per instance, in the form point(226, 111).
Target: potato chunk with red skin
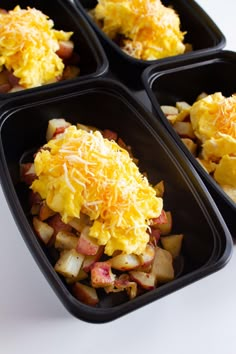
point(145, 280)
point(58, 225)
point(125, 262)
point(86, 244)
point(27, 173)
point(101, 275)
point(90, 260)
point(85, 294)
point(66, 49)
point(43, 230)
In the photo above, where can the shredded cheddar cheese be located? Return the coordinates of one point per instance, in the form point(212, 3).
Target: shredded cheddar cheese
point(28, 45)
point(150, 29)
point(80, 171)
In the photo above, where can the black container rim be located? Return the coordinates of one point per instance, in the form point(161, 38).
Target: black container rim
point(79, 310)
point(151, 73)
point(198, 12)
point(93, 43)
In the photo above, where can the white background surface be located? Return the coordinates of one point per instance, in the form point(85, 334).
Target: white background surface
point(198, 319)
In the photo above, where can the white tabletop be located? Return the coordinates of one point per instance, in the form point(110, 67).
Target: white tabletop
point(199, 319)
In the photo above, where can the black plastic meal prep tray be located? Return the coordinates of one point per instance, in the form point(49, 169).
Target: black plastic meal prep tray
point(92, 58)
point(108, 104)
point(183, 81)
point(202, 34)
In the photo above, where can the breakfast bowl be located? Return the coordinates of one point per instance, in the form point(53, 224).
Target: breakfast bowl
point(206, 79)
point(45, 43)
point(104, 109)
point(200, 33)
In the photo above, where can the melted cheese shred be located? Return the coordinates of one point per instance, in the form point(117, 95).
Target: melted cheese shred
point(28, 45)
point(81, 171)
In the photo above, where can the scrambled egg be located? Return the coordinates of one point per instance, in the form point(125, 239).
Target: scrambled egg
point(149, 29)
point(28, 45)
point(80, 171)
point(213, 120)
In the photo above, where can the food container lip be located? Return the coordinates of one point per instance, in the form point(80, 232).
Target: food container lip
point(79, 310)
point(219, 38)
point(153, 72)
point(102, 63)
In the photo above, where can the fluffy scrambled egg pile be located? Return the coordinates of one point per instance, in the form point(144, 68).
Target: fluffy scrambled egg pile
point(28, 45)
point(150, 30)
point(80, 171)
point(214, 123)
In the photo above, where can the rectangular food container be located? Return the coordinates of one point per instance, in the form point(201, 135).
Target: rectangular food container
point(184, 80)
point(108, 105)
point(92, 58)
point(202, 34)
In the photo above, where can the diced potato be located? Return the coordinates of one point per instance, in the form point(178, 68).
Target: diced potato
point(79, 223)
point(69, 263)
point(190, 144)
point(202, 95)
point(147, 256)
point(65, 240)
point(27, 173)
point(160, 189)
point(182, 116)
point(165, 229)
point(85, 294)
point(101, 275)
point(43, 230)
point(184, 130)
point(166, 109)
point(173, 244)
point(183, 106)
point(123, 283)
point(161, 219)
point(208, 166)
point(45, 212)
point(90, 260)
point(172, 118)
point(57, 224)
point(65, 49)
point(162, 267)
point(81, 276)
point(87, 245)
point(55, 126)
point(145, 280)
point(125, 262)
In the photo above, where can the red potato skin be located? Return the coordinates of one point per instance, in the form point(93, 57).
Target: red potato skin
point(89, 261)
point(101, 275)
point(110, 135)
point(4, 88)
point(73, 60)
point(81, 294)
point(59, 130)
point(12, 79)
point(65, 50)
point(34, 198)
point(58, 225)
point(86, 247)
point(162, 219)
point(155, 235)
point(27, 178)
